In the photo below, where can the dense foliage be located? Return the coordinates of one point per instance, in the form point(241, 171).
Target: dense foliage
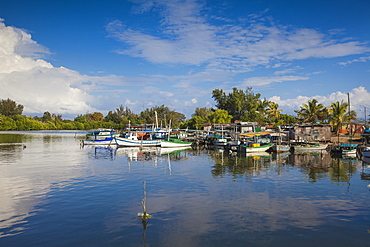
point(243, 105)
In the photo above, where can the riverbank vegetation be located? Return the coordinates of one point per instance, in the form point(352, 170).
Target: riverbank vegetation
point(242, 105)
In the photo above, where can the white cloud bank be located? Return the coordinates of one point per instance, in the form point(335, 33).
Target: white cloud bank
point(359, 98)
point(35, 83)
point(189, 38)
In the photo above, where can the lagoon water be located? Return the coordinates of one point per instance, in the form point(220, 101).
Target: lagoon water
point(56, 193)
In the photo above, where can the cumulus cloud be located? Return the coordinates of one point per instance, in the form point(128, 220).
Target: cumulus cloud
point(189, 38)
point(359, 98)
point(35, 83)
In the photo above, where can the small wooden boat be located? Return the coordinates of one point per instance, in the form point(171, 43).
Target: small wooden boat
point(255, 147)
point(309, 146)
point(174, 142)
point(280, 148)
point(348, 148)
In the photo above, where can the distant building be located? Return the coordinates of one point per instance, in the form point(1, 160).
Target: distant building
point(311, 132)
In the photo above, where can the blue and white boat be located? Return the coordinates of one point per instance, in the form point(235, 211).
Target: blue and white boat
point(132, 140)
point(106, 141)
point(101, 134)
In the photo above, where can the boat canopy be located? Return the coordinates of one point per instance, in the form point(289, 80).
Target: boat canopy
point(253, 134)
point(348, 145)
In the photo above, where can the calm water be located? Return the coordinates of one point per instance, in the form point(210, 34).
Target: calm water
point(55, 193)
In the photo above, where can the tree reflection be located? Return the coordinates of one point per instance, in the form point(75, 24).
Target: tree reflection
point(314, 166)
point(239, 165)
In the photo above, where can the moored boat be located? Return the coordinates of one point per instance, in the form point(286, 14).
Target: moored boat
point(255, 147)
point(348, 148)
point(101, 134)
point(309, 146)
point(174, 142)
point(364, 151)
point(220, 142)
point(132, 140)
point(106, 141)
point(280, 148)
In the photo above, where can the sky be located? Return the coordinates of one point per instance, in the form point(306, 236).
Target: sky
point(73, 57)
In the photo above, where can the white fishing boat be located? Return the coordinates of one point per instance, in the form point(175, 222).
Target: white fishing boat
point(174, 142)
point(255, 142)
point(132, 140)
point(256, 147)
point(101, 134)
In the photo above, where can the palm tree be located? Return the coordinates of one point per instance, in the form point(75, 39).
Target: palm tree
point(274, 111)
point(312, 112)
point(338, 114)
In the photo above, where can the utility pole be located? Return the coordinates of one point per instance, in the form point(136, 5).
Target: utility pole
point(365, 117)
point(349, 115)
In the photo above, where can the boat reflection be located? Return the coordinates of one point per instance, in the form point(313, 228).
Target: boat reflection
point(100, 152)
point(314, 165)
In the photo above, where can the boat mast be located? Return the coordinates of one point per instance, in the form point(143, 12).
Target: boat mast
point(156, 119)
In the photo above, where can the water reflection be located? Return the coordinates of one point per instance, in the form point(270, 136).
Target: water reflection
point(33, 170)
point(10, 153)
point(313, 165)
point(101, 152)
point(212, 198)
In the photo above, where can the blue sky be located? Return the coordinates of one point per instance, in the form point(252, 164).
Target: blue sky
point(73, 57)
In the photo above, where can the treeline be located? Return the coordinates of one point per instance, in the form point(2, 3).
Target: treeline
point(243, 105)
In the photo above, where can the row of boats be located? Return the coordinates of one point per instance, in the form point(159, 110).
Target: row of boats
point(247, 142)
point(244, 143)
point(132, 139)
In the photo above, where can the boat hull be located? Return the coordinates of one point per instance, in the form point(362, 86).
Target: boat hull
point(170, 144)
point(107, 141)
point(125, 142)
point(262, 148)
point(279, 148)
point(365, 151)
point(311, 148)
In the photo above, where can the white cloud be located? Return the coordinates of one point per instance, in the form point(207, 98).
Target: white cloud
point(35, 83)
point(266, 80)
point(357, 60)
point(46, 89)
point(287, 71)
point(359, 98)
point(188, 38)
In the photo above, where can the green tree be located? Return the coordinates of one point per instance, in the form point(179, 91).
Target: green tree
point(312, 112)
point(339, 114)
point(96, 116)
point(242, 105)
point(10, 108)
point(220, 116)
point(274, 111)
point(46, 117)
point(7, 123)
point(148, 116)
